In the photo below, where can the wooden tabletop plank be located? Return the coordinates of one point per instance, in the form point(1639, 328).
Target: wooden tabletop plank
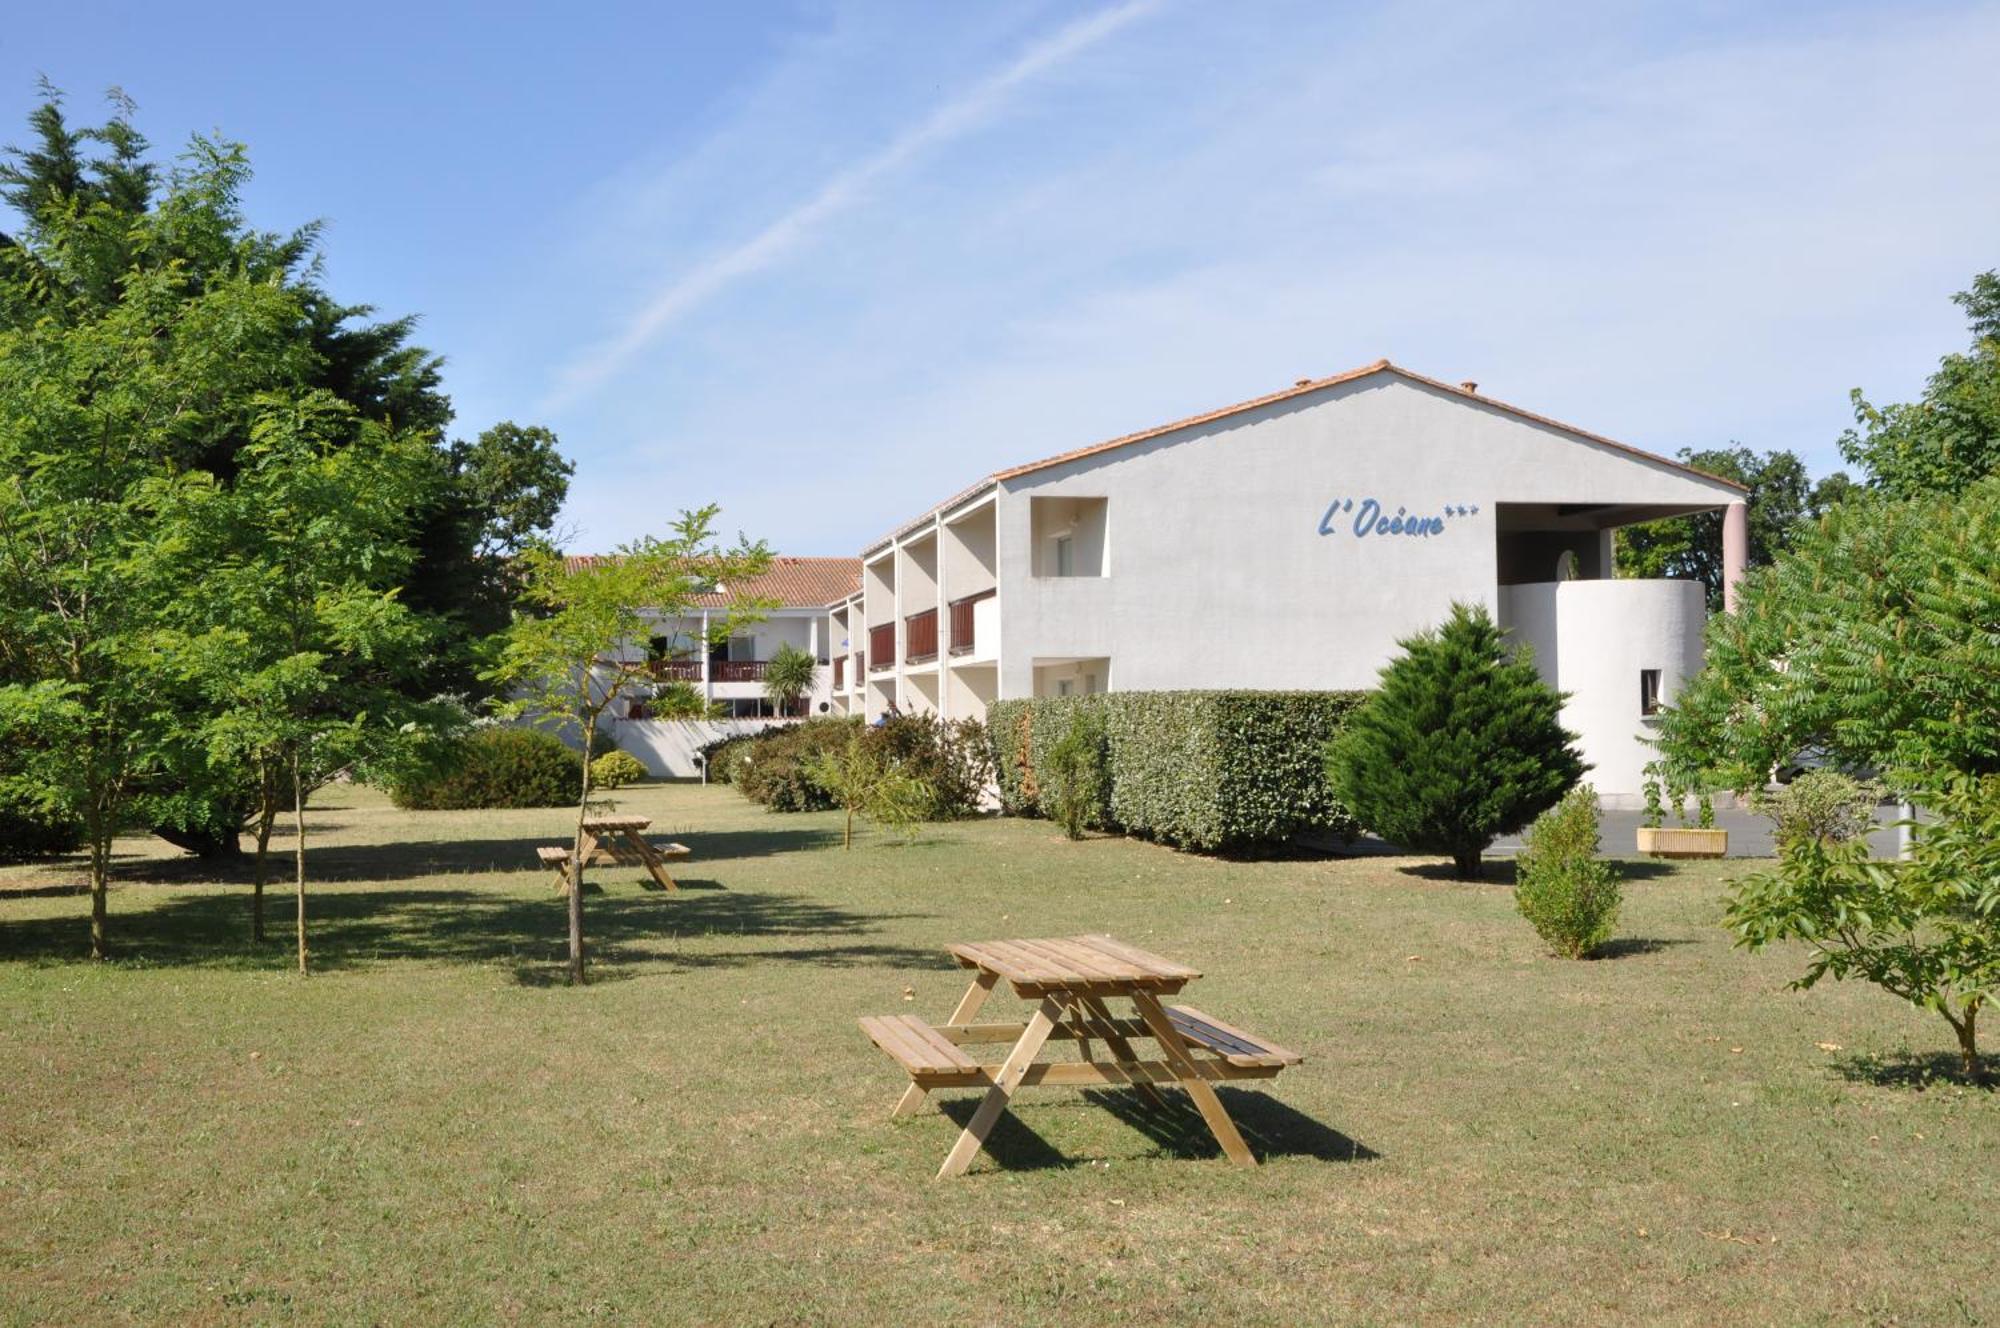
point(616, 824)
point(1085, 961)
point(1158, 965)
point(1054, 963)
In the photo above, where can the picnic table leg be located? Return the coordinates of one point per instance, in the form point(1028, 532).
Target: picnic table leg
point(1040, 1025)
point(968, 1006)
point(1122, 1049)
point(655, 864)
point(1194, 1078)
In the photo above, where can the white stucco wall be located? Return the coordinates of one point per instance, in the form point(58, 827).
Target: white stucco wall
point(1221, 576)
point(1592, 639)
point(667, 747)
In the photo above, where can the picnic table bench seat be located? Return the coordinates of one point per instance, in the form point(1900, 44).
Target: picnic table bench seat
point(918, 1047)
point(1239, 1048)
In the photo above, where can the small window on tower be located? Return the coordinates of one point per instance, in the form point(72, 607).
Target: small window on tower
point(1649, 691)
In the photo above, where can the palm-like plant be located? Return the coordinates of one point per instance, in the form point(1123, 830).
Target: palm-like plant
point(788, 675)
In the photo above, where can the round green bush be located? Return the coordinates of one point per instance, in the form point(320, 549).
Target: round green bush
point(497, 767)
point(29, 832)
point(616, 770)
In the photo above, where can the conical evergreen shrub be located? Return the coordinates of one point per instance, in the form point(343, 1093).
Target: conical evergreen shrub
point(1462, 743)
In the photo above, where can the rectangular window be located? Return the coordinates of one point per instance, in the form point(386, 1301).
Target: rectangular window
point(1062, 686)
point(742, 647)
point(1090, 684)
point(1649, 691)
point(1065, 556)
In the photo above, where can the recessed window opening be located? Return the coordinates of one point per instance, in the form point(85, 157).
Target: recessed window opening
point(1649, 691)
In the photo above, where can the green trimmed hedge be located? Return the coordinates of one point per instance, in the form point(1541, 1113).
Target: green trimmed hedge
point(497, 767)
point(1208, 771)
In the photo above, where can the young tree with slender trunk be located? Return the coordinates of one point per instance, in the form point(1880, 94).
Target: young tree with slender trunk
point(577, 644)
point(307, 648)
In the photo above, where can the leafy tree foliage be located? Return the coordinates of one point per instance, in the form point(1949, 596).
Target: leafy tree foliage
point(1926, 930)
point(98, 225)
point(1875, 641)
point(103, 407)
point(299, 641)
point(1461, 743)
point(1781, 496)
point(577, 646)
point(1950, 438)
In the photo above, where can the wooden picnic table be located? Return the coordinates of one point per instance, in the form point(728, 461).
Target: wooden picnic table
point(1070, 979)
point(620, 840)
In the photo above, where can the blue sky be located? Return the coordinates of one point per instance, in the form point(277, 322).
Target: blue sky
point(825, 263)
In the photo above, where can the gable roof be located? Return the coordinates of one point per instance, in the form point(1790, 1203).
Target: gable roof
point(1304, 387)
point(792, 582)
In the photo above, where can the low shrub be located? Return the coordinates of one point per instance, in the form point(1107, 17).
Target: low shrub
point(1078, 792)
point(1207, 771)
point(31, 832)
point(772, 768)
point(953, 758)
point(1822, 805)
point(1561, 887)
point(616, 769)
point(495, 767)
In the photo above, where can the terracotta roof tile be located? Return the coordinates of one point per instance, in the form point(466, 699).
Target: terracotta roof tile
point(1300, 388)
point(794, 583)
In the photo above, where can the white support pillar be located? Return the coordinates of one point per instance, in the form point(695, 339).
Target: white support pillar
point(707, 687)
point(1735, 551)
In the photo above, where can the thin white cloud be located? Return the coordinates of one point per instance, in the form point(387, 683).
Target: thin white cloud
point(953, 119)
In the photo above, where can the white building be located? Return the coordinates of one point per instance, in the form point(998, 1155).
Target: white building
point(1288, 542)
point(730, 674)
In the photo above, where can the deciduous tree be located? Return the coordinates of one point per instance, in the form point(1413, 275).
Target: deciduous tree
point(577, 644)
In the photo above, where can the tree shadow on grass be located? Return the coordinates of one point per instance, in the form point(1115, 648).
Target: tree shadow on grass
point(1918, 1070)
point(1625, 947)
point(351, 929)
point(1493, 871)
point(1502, 871)
point(411, 859)
point(1175, 1128)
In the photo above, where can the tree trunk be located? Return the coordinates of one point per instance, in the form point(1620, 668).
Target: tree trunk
point(1968, 1043)
point(265, 819)
point(847, 836)
point(1466, 863)
point(299, 851)
point(100, 883)
point(576, 863)
point(267, 816)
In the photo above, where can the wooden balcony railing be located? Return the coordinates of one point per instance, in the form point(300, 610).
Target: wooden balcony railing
point(736, 670)
point(920, 641)
point(839, 673)
point(962, 621)
point(677, 670)
point(882, 646)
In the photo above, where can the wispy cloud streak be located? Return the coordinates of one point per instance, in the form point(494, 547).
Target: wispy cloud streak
point(953, 119)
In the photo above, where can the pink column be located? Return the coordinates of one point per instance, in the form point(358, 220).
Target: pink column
point(1735, 551)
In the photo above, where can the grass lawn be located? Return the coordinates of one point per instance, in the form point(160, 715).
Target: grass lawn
point(432, 1129)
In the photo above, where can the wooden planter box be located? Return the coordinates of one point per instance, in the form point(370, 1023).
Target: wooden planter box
point(1677, 842)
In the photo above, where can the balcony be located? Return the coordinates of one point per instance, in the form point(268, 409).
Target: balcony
point(736, 670)
point(882, 647)
point(840, 673)
point(676, 670)
point(964, 622)
point(920, 637)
